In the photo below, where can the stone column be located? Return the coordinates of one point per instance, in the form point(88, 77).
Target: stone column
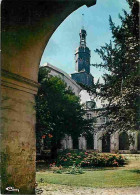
point(63, 144)
point(82, 143)
point(95, 141)
point(133, 143)
point(69, 142)
point(18, 133)
point(99, 141)
point(114, 142)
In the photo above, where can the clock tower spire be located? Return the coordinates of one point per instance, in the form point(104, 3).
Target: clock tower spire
point(82, 54)
point(82, 62)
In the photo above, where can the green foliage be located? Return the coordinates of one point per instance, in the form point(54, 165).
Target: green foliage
point(59, 171)
point(90, 159)
point(75, 170)
point(59, 111)
point(121, 82)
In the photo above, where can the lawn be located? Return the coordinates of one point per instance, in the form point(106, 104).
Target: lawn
point(127, 176)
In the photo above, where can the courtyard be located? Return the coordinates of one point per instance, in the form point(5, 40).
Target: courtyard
point(106, 181)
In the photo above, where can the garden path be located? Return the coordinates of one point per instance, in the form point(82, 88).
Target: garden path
point(54, 189)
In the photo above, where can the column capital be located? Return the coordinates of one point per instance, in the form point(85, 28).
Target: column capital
point(18, 82)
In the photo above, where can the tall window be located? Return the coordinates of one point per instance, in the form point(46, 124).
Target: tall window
point(89, 116)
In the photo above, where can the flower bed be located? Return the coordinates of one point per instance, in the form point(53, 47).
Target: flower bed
point(90, 159)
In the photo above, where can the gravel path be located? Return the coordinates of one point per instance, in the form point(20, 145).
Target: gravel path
point(53, 189)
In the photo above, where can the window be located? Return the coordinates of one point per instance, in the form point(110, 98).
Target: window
point(103, 120)
point(89, 116)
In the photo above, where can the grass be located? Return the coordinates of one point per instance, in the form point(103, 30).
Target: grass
point(128, 176)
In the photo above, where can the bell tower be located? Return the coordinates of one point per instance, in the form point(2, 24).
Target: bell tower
point(82, 54)
point(82, 62)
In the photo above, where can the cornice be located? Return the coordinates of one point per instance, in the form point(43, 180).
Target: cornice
point(18, 82)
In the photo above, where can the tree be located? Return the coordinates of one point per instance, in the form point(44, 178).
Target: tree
point(121, 82)
point(59, 111)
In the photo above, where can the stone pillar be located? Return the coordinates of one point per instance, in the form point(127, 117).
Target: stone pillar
point(114, 142)
point(95, 141)
point(98, 141)
point(63, 144)
point(82, 143)
point(136, 141)
point(133, 143)
point(69, 142)
point(18, 133)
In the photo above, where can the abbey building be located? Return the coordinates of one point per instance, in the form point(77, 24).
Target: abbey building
point(117, 142)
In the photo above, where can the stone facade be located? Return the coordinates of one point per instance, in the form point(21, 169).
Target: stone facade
point(122, 142)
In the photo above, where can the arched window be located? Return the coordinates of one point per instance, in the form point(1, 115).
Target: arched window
point(106, 143)
point(123, 141)
point(138, 140)
point(75, 142)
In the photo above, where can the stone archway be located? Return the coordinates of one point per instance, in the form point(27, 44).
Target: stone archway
point(123, 141)
point(90, 141)
point(26, 29)
point(106, 143)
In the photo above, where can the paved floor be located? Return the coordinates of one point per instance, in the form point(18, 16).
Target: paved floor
point(53, 189)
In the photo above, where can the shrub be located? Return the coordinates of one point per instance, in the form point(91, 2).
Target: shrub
point(75, 170)
point(55, 168)
point(90, 159)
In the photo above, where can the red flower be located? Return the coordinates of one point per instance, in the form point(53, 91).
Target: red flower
point(43, 136)
point(50, 136)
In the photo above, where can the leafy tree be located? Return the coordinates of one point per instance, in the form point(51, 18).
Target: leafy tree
point(121, 82)
point(59, 111)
